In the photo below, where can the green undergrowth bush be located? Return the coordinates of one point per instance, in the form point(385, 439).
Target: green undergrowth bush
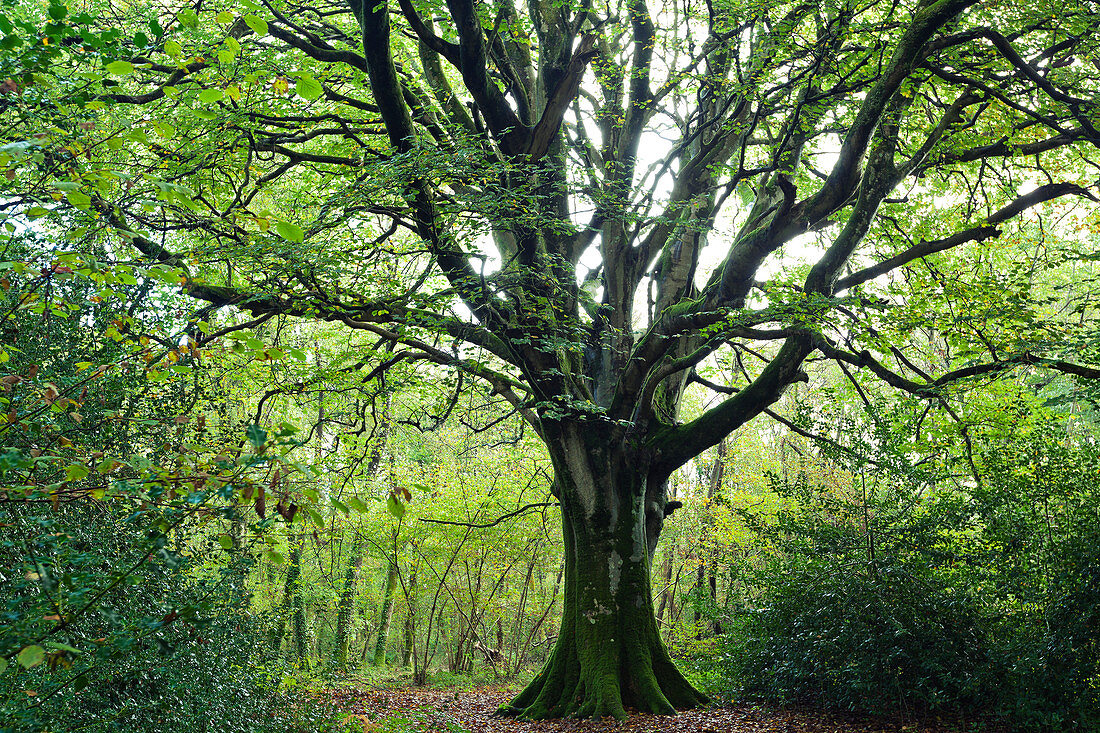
point(124, 550)
point(166, 647)
point(901, 599)
point(878, 640)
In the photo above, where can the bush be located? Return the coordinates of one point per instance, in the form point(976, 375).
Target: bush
point(162, 648)
point(865, 639)
point(982, 599)
point(119, 610)
point(1040, 561)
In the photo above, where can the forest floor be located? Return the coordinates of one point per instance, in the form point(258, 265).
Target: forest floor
point(435, 710)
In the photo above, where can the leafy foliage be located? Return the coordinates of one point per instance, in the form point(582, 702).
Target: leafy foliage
point(120, 608)
point(914, 598)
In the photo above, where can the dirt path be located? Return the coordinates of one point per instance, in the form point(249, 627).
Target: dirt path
point(452, 711)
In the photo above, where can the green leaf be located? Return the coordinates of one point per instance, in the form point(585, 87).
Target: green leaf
point(357, 504)
point(289, 232)
point(31, 656)
point(141, 40)
point(120, 68)
point(76, 472)
point(395, 507)
point(63, 647)
point(173, 48)
point(204, 114)
point(3, 664)
point(317, 519)
point(187, 18)
point(209, 96)
point(308, 88)
point(78, 199)
point(226, 542)
point(165, 129)
point(340, 506)
point(256, 435)
point(258, 25)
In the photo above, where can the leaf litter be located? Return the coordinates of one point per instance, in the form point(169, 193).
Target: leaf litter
point(432, 710)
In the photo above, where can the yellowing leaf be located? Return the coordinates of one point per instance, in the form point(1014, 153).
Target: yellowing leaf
point(308, 88)
point(120, 68)
point(289, 231)
point(258, 25)
point(31, 656)
point(75, 472)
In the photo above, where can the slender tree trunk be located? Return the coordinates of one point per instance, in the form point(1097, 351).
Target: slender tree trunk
point(717, 627)
point(700, 585)
point(384, 615)
point(514, 655)
point(407, 654)
point(419, 674)
point(666, 585)
point(706, 585)
point(609, 655)
point(298, 619)
point(290, 587)
point(355, 560)
point(717, 478)
point(346, 606)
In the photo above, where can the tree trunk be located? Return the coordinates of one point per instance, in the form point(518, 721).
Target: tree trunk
point(384, 615)
point(347, 604)
point(290, 588)
point(298, 628)
point(666, 585)
point(410, 625)
point(609, 655)
point(706, 584)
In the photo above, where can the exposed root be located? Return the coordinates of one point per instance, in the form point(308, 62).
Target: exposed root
point(647, 681)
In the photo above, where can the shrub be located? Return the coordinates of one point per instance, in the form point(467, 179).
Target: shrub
point(982, 598)
point(877, 640)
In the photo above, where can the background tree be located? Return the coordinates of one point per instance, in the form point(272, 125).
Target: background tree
point(561, 170)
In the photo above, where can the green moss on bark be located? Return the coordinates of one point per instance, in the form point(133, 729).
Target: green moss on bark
point(609, 656)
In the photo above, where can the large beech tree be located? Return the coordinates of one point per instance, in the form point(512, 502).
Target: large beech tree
point(581, 205)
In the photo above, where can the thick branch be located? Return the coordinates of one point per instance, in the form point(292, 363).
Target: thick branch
point(973, 234)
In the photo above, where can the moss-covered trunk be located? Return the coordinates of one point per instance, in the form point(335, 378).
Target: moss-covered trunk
point(384, 616)
point(346, 607)
point(609, 656)
point(298, 618)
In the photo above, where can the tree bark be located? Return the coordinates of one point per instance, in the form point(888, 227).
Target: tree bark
point(609, 655)
point(385, 615)
point(290, 587)
point(298, 620)
point(346, 606)
point(409, 656)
